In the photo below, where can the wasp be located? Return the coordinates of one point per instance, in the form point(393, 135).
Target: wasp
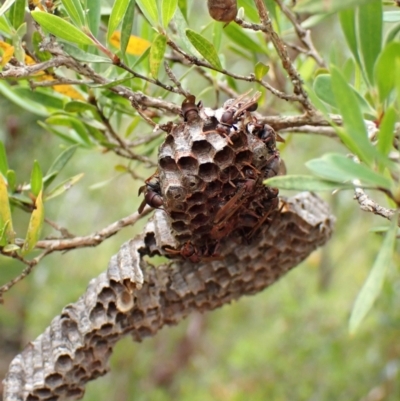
point(235, 108)
point(152, 194)
point(190, 110)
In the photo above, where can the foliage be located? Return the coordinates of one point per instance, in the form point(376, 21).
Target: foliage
point(127, 66)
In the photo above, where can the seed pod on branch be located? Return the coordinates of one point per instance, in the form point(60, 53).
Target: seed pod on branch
point(222, 10)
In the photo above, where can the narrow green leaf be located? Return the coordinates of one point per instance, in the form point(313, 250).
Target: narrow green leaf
point(182, 4)
point(17, 13)
point(117, 13)
point(168, 8)
point(5, 26)
point(348, 23)
point(205, 48)
point(242, 39)
point(217, 35)
point(60, 162)
point(75, 11)
point(260, 70)
point(11, 180)
point(6, 5)
point(181, 26)
point(373, 285)
point(149, 10)
point(355, 135)
point(304, 183)
point(71, 122)
point(391, 35)
point(36, 179)
point(3, 159)
point(385, 73)
point(63, 187)
point(81, 55)
point(370, 35)
point(76, 106)
point(19, 100)
point(339, 168)
point(60, 134)
point(35, 226)
point(5, 213)
point(61, 28)
point(386, 131)
point(127, 24)
point(93, 15)
point(326, 6)
point(157, 51)
point(41, 97)
point(323, 89)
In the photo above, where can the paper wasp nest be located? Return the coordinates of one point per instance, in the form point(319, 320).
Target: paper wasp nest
point(210, 176)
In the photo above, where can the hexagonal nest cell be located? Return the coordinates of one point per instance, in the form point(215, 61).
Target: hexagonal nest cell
point(210, 178)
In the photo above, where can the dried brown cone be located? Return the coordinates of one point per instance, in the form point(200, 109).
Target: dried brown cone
point(222, 10)
point(135, 298)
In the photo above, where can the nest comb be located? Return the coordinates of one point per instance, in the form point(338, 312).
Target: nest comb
point(210, 175)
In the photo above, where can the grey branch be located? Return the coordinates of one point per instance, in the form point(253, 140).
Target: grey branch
point(135, 298)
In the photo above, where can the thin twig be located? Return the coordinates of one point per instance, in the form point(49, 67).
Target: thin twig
point(30, 265)
point(303, 34)
point(280, 47)
point(175, 80)
point(368, 205)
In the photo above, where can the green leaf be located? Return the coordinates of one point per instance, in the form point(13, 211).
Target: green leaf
point(373, 285)
point(370, 35)
point(182, 4)
point(217, 35)
point(338, 168)
point(60, 162)
point(93, 14)
point(304, 183)
point(61, 28)
point(205, 48)
point(17, 13)
point(6, 5)
point(75, 11)
point(35, 226)
point(127, 24)
point(63, 187)
point(36, 179)
point(323, 89)
point(168, 8)
point(242, 39)
point(5, 213)
point(386, 131)
point(5, 26)
point(348, 23)
point(149, 10)
point(81, 55)
point(11, 180)
point(157, 51)
point(71, 122)
point(260, 70)
point(76, 106)
point(41, 97)
point(117, 13)
point(385, 73)
point(26, 104)
point(3, 159)
point(355, 135)
point(326, 6)
point(391, 35)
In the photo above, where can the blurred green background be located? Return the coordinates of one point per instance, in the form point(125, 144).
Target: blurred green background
point(289, 342)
